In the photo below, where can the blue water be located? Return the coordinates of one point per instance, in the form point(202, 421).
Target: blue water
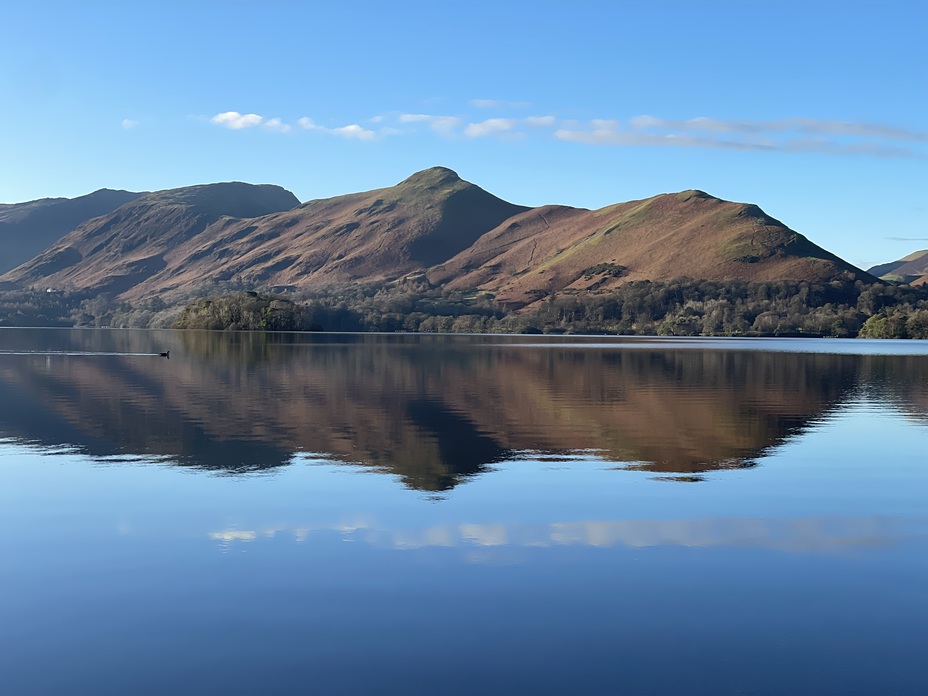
point(352, 515)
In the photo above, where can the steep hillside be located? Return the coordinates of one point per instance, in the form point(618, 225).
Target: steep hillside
point(668, 236)
point(906, 269)
point(376, 235)
point(177, 242)
point(28, 228)
point(120, 250)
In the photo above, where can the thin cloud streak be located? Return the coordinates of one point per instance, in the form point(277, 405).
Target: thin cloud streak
point(491, 126)
point(797, 135)
point(350, 132)
point(788, 135)
point(234, 120)
point(797, 535)
point(806, 126)
point(443, 125)
point(275, 125)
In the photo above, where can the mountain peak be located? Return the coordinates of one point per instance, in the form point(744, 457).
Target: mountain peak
point(432, 177)
point(694, 193)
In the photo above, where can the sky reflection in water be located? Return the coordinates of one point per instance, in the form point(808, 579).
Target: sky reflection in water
point(412, 516)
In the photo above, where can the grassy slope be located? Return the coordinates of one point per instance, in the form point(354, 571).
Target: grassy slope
point(913, 264)
point(664, 237)
point(118, 251)
point(375, 235)
point(28, 228)
point(178, 241)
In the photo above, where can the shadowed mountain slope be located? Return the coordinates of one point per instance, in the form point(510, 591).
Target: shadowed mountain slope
point(28, 228)
point(555, 248)
point(119, 251)
point(182, 241)
point(908, 268)
point(376, 235)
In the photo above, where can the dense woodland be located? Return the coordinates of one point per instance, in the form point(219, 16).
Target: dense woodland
point(682, 307)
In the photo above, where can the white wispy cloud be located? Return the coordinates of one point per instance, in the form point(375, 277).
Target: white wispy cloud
point(237, 121)
point(797, 135)
point(491, 126)
point(453, 126)
point(350, 132)
point(443, 125)
point(354, 132)
point(804, 126)
point(275, 125)
point(604, 135)
point(792, 135)
point(130, 123)
point(540, 121)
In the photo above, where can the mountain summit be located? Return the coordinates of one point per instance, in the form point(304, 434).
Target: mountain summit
point(433, 223)
point(557, 248)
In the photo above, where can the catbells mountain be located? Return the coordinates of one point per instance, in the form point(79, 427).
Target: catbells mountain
point(433, 225)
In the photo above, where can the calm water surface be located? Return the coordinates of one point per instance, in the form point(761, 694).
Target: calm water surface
point(350, 514)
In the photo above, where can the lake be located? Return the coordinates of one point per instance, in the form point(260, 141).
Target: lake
point(417, 514)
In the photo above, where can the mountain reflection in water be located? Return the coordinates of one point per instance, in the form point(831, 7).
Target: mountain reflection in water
point(433, 410)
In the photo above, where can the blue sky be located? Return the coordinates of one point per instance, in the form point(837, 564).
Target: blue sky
point(816, 111)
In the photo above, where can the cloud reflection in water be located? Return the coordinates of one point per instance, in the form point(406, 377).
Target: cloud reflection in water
point(799, 535)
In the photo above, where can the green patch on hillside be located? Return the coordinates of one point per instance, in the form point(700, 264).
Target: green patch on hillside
point(897, 279)
point(638, 215)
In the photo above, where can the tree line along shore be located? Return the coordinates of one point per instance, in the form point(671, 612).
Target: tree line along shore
point(682, 307)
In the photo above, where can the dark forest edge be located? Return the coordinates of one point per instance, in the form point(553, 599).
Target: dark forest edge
point(682, 307)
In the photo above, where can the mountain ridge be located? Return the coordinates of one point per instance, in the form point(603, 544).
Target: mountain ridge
point(432, 225)
point(131, 243)
point(909, 268)
point(29, 227)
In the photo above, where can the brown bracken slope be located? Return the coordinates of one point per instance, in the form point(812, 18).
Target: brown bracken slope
point(167, 245)
point(122, 250)
point(174, 243)
point(691, 233)
point(376, 235)
point(912, 268)
point(27, 228)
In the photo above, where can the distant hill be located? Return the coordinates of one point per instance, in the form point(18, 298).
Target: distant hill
point(28, 228)
point(433, 225)
point(907, 269)
point(555, 248)
point(118, 251)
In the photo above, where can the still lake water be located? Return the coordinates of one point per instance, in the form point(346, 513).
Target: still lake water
point(402, 514)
